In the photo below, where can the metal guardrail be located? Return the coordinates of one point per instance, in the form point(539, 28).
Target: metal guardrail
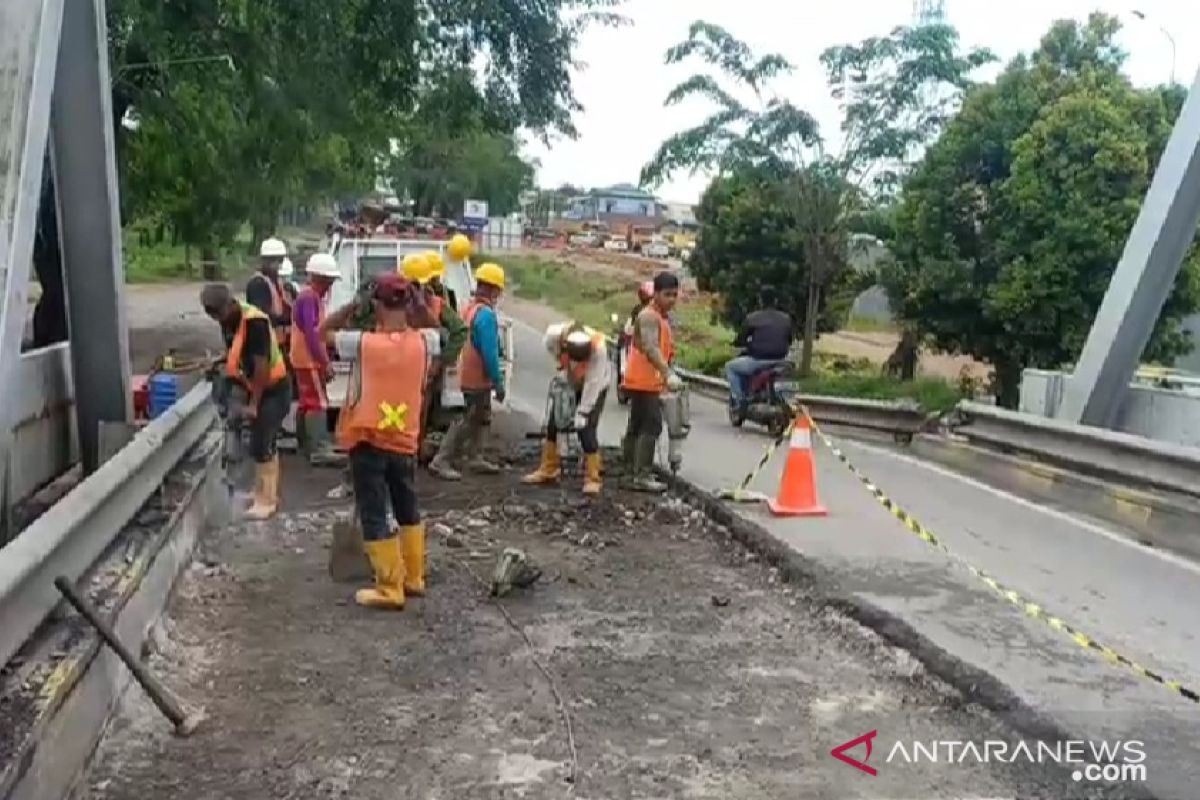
point(902, 419)
point(1096, 451)
point(72, 534)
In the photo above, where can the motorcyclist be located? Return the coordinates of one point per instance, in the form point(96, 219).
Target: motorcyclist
point(765, 340)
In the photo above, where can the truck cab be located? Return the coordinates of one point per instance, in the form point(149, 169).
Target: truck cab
point(361, 259)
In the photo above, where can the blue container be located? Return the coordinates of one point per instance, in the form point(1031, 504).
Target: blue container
point(164, 391)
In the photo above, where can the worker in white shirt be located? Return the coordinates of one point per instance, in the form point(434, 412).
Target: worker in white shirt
point(583, 375)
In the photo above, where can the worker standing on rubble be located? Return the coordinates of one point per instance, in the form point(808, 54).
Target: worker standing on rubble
point(454, 333)
point(647, 376)
point(255, 361)
point(310, 360)
point(379, 427)
point(265, 292)
point(480, 376)
point(583, 371)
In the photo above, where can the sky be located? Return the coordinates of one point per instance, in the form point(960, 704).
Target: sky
point(622, 81)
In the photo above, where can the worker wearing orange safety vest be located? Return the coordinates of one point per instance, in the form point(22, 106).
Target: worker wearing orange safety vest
point(255, 361)
point(380, 428)
point(584, 368)
point(481, 377)
point(647, 376)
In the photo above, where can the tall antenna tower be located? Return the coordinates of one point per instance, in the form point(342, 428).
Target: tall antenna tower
point(929, 12)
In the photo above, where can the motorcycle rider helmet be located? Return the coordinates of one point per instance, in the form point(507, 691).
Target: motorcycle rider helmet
point(577, 344)
point(645, 291)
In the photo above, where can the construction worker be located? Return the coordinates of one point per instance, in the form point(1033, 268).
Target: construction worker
point(265, 292)
point(379, 428)
point(647, 376)
point(287, 281)
point(255, 361)
point(437, 283)
point(454, 332)
point(583, 366)
point(310, 360)
point(481, 378)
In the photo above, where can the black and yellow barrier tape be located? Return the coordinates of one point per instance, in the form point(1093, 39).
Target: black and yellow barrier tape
point(741, 493)
point(1031, 609)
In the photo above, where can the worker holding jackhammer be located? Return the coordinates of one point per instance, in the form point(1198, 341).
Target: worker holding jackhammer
point(481, 378)
point(647, 376)
point(255, 362)
point(380, 428)
point(583, 374)
point(311, 363)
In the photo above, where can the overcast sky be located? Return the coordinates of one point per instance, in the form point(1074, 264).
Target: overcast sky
point(624, 81)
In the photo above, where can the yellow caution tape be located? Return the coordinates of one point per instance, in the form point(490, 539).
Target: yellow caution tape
point(741, 492)
point(1031, 609)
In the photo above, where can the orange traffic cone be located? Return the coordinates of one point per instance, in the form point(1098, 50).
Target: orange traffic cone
point(797, 495)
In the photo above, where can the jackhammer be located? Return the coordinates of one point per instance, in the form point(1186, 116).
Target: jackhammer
point(230, 397)
point(678, 418)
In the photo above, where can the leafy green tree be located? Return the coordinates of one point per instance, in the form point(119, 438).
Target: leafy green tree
point(1008, 232)
point(896, 92)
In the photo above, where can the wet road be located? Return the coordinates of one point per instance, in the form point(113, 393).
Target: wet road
point(1138, 601)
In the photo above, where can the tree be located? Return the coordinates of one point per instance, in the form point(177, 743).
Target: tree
point(1008, 232)
point(896, 92)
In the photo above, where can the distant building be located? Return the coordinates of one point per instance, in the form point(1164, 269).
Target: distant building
point(683, 214)
point(621, 200)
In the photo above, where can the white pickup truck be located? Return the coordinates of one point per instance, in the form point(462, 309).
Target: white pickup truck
point(360, 259)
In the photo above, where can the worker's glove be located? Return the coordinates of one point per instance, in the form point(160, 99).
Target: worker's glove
point(674, 382)
point(581, 421)
point(501, 394)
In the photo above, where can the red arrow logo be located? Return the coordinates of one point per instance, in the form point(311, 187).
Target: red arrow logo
point(839, 753)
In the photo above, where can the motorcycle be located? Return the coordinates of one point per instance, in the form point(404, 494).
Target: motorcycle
point(768, 399)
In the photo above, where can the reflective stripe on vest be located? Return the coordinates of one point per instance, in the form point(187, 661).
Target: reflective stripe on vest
point(472, 374)
point(387, 385)
point(298, 348)
point(640, 374)
point(233, 361)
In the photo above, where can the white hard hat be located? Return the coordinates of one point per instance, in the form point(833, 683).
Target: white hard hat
point(323, 265)
point(287, 269)
point(272, 248)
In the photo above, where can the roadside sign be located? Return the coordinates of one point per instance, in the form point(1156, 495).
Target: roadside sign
point(475, 212)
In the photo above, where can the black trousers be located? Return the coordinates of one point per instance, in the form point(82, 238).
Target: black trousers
point(589, 440)
point(381, 477)
point(645, 414)
point(272, 410)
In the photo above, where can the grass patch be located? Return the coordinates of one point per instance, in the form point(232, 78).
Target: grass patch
point(703, 345)
point(150, 261)
point(869, 325)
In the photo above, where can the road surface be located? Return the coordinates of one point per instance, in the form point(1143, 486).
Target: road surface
point(1138, 601)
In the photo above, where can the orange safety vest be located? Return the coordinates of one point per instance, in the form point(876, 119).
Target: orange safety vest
point(387, 391)
point(472, 375)
point(298, 348)
point(576, 370)
point(233, 360)
point(640, 374)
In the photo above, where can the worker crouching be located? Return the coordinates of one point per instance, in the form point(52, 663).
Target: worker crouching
point(584, 374)
point(380, 428)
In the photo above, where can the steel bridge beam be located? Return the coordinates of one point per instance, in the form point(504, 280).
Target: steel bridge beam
point(1161, 236)
point(85, 174)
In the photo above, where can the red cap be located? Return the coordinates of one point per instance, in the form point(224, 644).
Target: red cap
point(391, 289)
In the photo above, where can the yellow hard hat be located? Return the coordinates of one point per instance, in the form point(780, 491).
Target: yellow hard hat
point(459, 248)
point(490, 273)
point(416, 268)
point(437, 265)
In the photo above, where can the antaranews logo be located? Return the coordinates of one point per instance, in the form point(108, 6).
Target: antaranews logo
point(1117, 761)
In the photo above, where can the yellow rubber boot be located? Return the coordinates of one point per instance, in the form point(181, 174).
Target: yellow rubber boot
point(550, 469)
point(388, 565)
point(412, 544)
point(592, 468)
point(266, 490)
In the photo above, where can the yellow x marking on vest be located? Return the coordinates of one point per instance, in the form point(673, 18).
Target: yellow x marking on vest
point(393, 416)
